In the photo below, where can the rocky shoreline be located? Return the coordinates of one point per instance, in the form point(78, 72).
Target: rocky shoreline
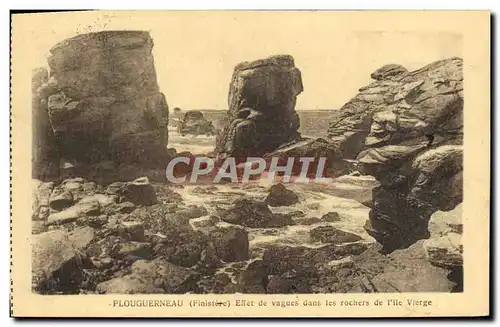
point(105, 220)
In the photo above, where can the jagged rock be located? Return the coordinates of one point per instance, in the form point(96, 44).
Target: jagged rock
point(410, 271)
point(209, 261)
point(132, 230)
point(57, 257)
point(173, 239)
point(445, 251)
point(60, 199)
point(193, 122)
point(261, 116)
point(280, 196)
point(331, 217)
point(280, 285)
point(443, 222)
point(191, 212)
point(79, 210)
point(41, 196)
point(163, 274)
point(406, 129)
point(38, 226)
point(139, 191)
point(223, 285)
point(204, 222)
point(134, 250)
point(254, 278)
point(330, 234)
point(281, 259)
point(346, 262)
point(231, 243)
point(123, 207)
point(254, 214)
point(104, 101)
point(391, 71)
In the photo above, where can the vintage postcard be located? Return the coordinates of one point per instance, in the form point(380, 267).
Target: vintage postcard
point(250, 164)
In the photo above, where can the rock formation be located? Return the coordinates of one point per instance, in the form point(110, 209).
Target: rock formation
point(44, 152)
point(406, 129)
point(103, 100)
point(261, 115)
point(193, 122)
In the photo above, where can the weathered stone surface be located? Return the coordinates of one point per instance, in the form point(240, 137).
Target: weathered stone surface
point(132, 230)
point(173, 239)
point(56, 256)
point(193, 122)
point(445, 251)
point(280, 196)
point(331, 217)
point(138, 191)
point(406, 129)
point(41, 196)
point(60, 199)
point(253, 279)
point(163, 274)
point(134, 250)
point(330, 234)
point(391, 71)
point(284, 258)
point(231, 243)
point(410, 271)
point(44, 153)
point(444, 222)
point(254, 214)
point(261, 116)
point(79, 210)
point(103, 99)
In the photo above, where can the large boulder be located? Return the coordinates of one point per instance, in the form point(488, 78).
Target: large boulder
point(193, 122)
point(156, 276)
point(254, 214)
point(103, 99)
point(406, 129)
point(279, 196)
point(57, 258)
point(261, 115)
point(230, 242)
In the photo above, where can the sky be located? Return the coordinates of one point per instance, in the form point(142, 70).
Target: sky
point(195, 52)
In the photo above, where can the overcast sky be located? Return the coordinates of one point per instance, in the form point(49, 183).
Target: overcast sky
point(195, 52)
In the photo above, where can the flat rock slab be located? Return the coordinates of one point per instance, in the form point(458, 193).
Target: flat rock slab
point(52, 250)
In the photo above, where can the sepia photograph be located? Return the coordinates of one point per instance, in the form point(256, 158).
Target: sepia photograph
point(219, 154)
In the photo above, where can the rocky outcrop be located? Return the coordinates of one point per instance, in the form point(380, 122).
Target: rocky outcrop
point(103, 101)
point(406, 129)
point(156, 276)
point(57, 259)
point(44, 152)
point(261, 116)
point(280, 196)
point(254, 214)
point(444, 247)
point(230, 242)
point(193, 122)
